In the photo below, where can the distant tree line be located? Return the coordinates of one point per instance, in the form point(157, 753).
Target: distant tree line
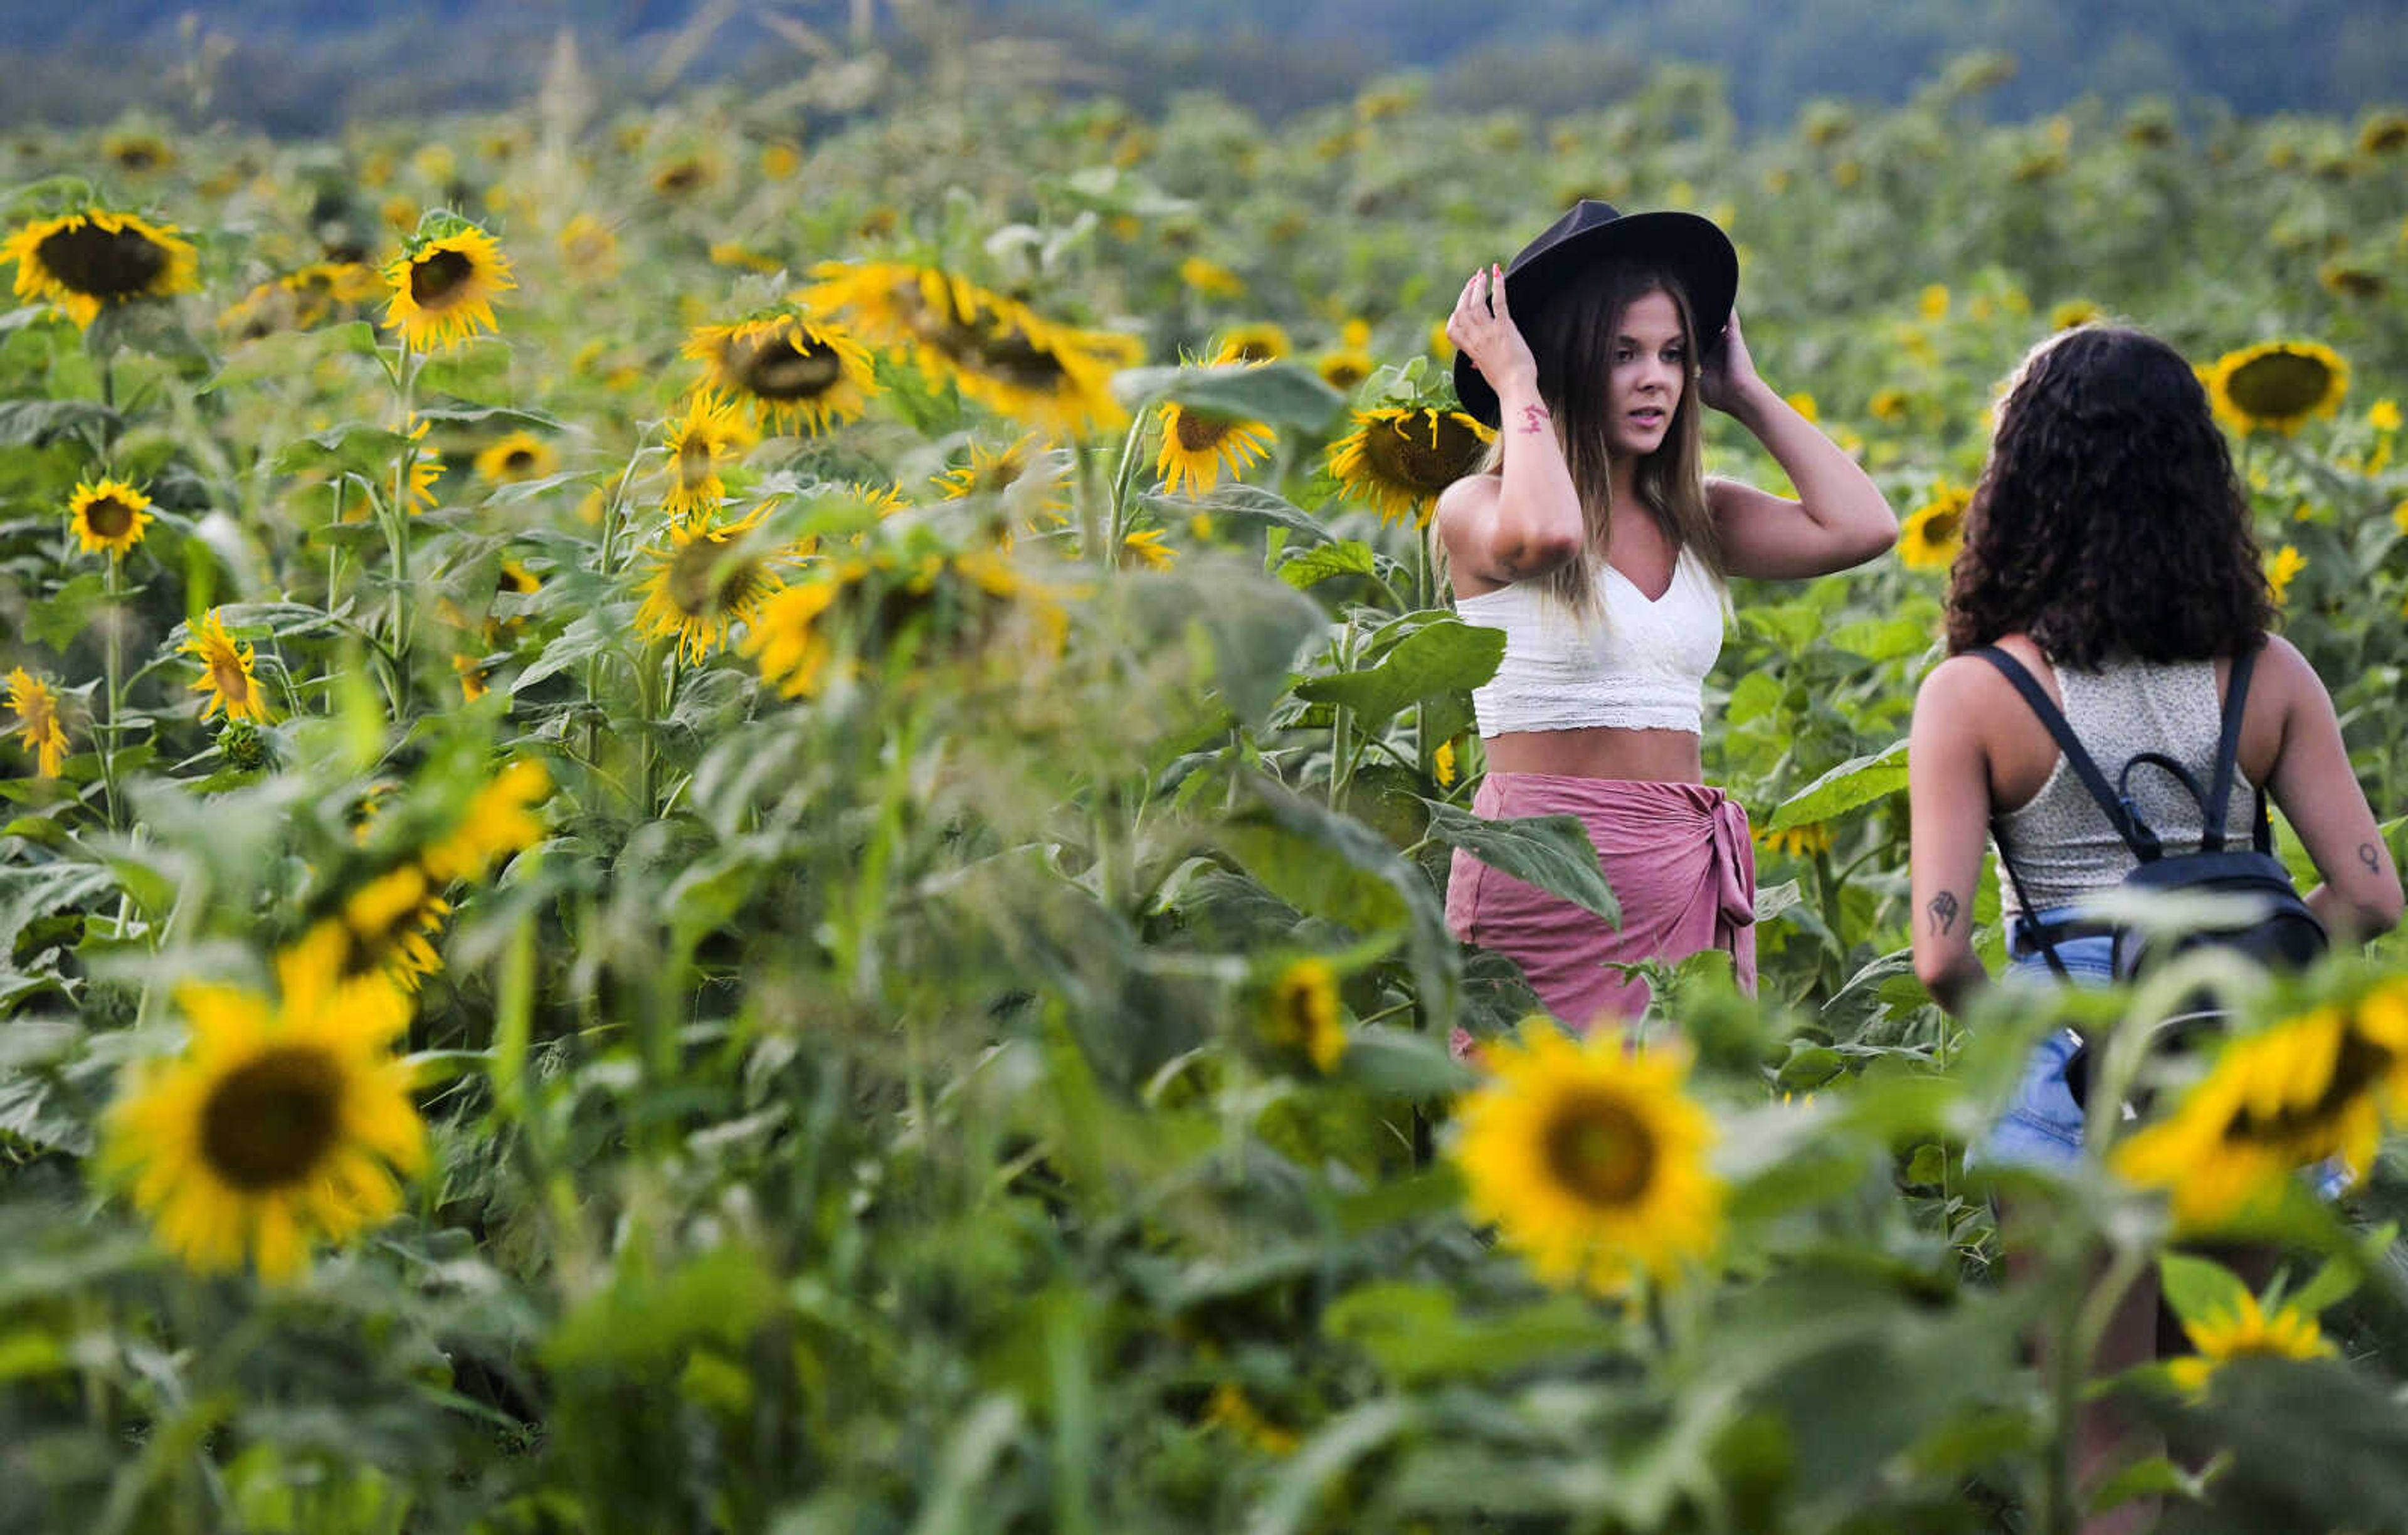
point(306, 66)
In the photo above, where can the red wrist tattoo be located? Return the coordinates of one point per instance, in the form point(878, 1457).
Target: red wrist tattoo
point(1535, 418)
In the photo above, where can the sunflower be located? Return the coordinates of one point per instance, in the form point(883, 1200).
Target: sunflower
point(444, 282)
point(704, 580)
point(225, 675)
point(708, 431)
point(2383, 133)
point(2245, 1332)
point(110, 515)
point(1149, 548)
point(83, 262)
point(1028, 477)
point(1590, 1158)
point(2281, 567)
point(1934, 531)
point(2277, 385)
point(2073, 312)
point(2275, 1101)
point(794, 371)
point(589, 249)
point(1196, 445)
point(1399, 460)
point(1442, 764)
point(387, 928)
point(2345, 279)
point(1229, 1408)
point(137, 153)
point(1352, 362)
point(685, 176)
point(1888, 404)
point(789, 640)
point(1211, 278)
point(425, 469)
point(1796, 842)
point(781, 160)
point(1260, 342)
point(500, 821)
point(993, 349)
point(37, 726)
point(520, 455)
point(1299, 1014)
point(281, 1125)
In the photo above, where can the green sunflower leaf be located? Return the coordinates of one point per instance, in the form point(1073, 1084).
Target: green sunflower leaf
point(1445, 655)
point(34, 423)
point(350, 445)
point(1551, 851)
point(1276, 393)
point(292, 353)
point(57, 619)
point(1311, 566)
point(2200, 1289)
point(1859, 780)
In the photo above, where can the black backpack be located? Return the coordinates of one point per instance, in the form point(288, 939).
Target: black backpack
point(2283, 936)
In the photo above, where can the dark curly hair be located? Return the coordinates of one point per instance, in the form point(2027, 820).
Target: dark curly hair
point(2109, 521)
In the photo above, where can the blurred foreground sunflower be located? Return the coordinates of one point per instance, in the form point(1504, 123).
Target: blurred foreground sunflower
point(2245, 1331)
point(1299, 1014)
point(387, 928)
point(1591, 1159)
point(84, 262)
point(284, 1124)
point(499, 820)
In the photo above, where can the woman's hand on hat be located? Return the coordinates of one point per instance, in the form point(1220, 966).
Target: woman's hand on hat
point(1483, 329)
point(1727, 373)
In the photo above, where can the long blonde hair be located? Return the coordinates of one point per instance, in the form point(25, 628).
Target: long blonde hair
point(1572, 340)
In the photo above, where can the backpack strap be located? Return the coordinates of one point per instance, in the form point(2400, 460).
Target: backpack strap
point(2227, 759)
point(2034, 932)
point(2130, 827)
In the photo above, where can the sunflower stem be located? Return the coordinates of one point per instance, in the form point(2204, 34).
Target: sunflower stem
point(397, 527)
point(113, 659)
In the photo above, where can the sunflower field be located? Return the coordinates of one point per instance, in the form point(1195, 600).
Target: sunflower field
point(733, 818)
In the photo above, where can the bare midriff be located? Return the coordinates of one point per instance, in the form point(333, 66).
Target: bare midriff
point(1655, 756)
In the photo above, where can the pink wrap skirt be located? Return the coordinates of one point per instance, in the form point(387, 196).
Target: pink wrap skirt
point(1677, 856)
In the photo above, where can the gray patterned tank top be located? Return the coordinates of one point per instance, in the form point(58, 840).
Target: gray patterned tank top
point(2064, 848)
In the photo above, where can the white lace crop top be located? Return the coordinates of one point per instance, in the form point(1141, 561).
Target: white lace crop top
point(1632, 662)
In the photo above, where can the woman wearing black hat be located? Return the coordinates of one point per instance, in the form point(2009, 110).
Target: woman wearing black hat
point(1593, 539)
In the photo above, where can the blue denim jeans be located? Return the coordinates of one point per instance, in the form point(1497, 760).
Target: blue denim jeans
point(2043, 1125)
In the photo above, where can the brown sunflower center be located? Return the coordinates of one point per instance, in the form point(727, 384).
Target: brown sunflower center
point(137, 156)
point(1943, 527)
point(1343, 373)
point(436, 279)
point(271, 1122)
point(110, 263)
point(1421, 456)
point(1201, 434)
point(108, 518)
point(520, 461)
point(1257, 350)
point(704, 584)
point(682, 177)
point(1599, 1150)
point(781, 368)
point(2279, 384)
point(1017, 359)
point(693, 461)
point(233, 682)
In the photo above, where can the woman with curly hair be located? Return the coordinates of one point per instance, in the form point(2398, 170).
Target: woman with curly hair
point(1594, 541)
point(2108, 552)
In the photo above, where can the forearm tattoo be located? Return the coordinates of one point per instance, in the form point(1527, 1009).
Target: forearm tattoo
point(2369, 857)
point(1534, 419)
point(1944, 909)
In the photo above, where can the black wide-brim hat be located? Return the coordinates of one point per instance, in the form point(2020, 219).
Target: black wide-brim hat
point(1686, 245)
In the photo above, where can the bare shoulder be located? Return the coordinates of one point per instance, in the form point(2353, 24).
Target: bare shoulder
point(2283, 672)
point(1464, 510)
